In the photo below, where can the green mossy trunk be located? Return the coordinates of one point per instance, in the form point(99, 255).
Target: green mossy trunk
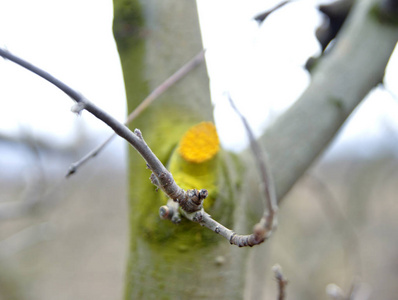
point(168, 261)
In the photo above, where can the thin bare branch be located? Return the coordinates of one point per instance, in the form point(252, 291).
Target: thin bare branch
point(262, 16)
point(74, 166)
point(268, 220)
point(258, 236)
point(281, 280)
point(191, 206)
point(188, 202)
point(164, 86)
point(135, 139)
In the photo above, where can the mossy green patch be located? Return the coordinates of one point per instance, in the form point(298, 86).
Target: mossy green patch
point(128, 23)
point(145, 220)
point(337, 102)
point(190, 175)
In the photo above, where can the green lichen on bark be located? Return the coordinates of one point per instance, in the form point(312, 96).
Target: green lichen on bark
point(337, 103)
point(128, 27)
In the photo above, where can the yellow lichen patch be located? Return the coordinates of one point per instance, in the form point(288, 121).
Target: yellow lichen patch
point(200, 143)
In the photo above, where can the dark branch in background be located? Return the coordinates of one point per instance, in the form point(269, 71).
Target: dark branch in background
point(173, 79)
point(281, 280)
point(261, 17)
point(335, 14)
point(188, 202)
point(339, 82)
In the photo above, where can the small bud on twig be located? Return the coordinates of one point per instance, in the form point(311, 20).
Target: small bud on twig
point(176, 219)
point(164, 212)
point(203, 194)
point(193, 200)
point(78, 108)
point(154, 181)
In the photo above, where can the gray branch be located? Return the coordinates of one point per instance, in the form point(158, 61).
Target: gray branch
point(340, 81)
point(190, 201)
point(163, 176)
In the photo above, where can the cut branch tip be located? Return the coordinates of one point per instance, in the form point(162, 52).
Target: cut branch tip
point(71, 171)
point(164, 212)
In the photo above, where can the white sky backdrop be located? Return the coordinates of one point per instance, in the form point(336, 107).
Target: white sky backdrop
point(261, 67)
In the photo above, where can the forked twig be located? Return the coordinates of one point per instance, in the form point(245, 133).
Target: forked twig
point(188, 202)
point(164, 86)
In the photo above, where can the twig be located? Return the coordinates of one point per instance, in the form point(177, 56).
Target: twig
point(195, 212)
point(189, 202)
point(164, 86)
point(261, 17)
point(269, 218)
point(282, 281)
point(135, 139)
point(173, 79)
point(74, 166)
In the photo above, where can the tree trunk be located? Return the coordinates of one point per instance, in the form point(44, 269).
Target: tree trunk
point(184, 261)
point(168, 261)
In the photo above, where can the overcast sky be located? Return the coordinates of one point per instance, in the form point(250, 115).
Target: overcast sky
point(74, 42)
